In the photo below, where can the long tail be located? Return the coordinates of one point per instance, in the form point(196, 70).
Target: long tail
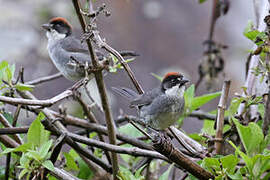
point(125, 92)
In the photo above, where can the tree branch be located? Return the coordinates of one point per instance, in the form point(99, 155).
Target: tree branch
point(220, 116)
point(166, 148)
point(44, 79)
point(35, 102)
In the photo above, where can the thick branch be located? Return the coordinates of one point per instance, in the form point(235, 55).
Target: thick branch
point(166, 148)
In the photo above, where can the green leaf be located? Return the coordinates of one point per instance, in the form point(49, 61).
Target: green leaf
point(229, 163)
point(3, 64)
point(24, 87)
point(261, 109)
point(251, 136)
point(48, 165)
point(254, 34)
point(33, 155)
point(85, 172)
point(24, 161)
point(45, 148)
point(23, 172)
point(23, 148)
point(235, 102)
point(188, 96)
point(166, 174)
point(246, 158)
point(139, 172)
point(208, 127)
point(157, 76)
point(6, 151)
point(202, 1)
point(211, 164)
point(70, 162)
point(92, 135)
point(130, 130)
point(126, 174)
point(37, 134)
point(236, 176)
point(8, 116)
point(201, 100)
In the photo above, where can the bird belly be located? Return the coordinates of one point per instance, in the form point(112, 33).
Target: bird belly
point(165, 120)
point(61, 62)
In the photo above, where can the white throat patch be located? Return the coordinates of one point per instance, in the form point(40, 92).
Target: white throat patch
point(176, 91)
point(54, 35)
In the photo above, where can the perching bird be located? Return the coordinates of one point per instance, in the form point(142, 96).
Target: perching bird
point(65, 50)
point(162, 106)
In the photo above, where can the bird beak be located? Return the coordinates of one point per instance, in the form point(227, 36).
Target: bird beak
point(46, 26)
point(184, 81)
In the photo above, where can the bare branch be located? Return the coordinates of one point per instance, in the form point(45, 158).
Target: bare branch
point(44, 79)
point(8, 142)
point(62, 174)
point(134, 151)
point(5, 122)
point(166, 148)
point(220, 115)
point(14, 130)
point(189, 144)
point(35, 102)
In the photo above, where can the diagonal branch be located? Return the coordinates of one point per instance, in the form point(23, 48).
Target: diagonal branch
point(44, 79)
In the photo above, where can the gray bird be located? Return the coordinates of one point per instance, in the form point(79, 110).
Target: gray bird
point(162, 106)
point(67, 52)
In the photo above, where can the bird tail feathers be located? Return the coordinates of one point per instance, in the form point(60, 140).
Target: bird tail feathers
point(125, 92)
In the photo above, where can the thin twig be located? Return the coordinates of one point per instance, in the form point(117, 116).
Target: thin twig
point(35, 102)
point(44, 79)
point(8, 158)
point(16, 115)
point(5, 122)
point(134, 151)
point(101, 88)
point(220, 116)
point(14, 130)
point(62, 174)
point(104, 45)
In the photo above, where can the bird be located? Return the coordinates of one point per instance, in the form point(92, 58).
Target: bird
point(67, 52)
point(162, 106)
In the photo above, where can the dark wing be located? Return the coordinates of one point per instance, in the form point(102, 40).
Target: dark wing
point(71, 44)
point(146, 98)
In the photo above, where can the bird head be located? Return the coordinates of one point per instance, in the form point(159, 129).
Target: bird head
point(57, 28)
point(172, 80)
